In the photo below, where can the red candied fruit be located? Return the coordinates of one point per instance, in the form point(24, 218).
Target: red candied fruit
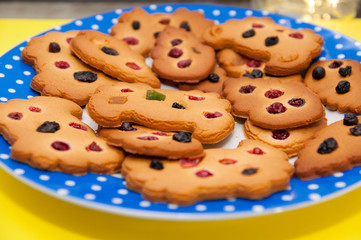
point(257, 25)
point(247, 89)
point(276, 108)
point(161, 133)
point(62, 65)
point(296, 35)
point(69, 39)
point(131, 41)
point(335, 64)
point(164, 21)
point(34, 109)
point(188, 162)
point(125, 90)
point(78, 126)
point(256, 151)
point(60, 146)
point(204, 173)
point(93, 147)
point(280, 134)
point(184, 63)
point(175, 53)
point(273, 93)
point(133, 66)
point(15, 115)
point(213, 115)
point(176, 42)
point(190, 97)
point(227, 161)
point(254, 64)
point(297, 102)
point(150, 138)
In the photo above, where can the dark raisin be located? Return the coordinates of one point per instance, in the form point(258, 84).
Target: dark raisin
point(273, 93)
point(327, 146)
point(156, 164)
point(280, 134)
point(184, 63)
point(60, 146)
point(176, 42)
point(110, 51)
point(93, 147)
point(346, 71)
point(54, 47)
point(85, 76)
point(48, 127)
point(15, 115)
point(276, 108)
point(335, 64)
point(350, 119)
point(249, 171)
point(196, 51)
point(270, 41)
point(249, 33)
point(247, 89)
point(213, 77)
point(177, 105)
point(175, 53)
point(343, 87)
point(297, 102)
point(183, 137)
point(254, 74)
point(318, 73)
point(127, 126)
point(356, 131)
point(185, 25)
point(135, 25)
point(156, 34)
point(212, 115)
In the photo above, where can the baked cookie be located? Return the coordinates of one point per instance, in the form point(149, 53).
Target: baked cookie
point(337, 83)
point(254, 170)
point(46, 133)
point(113, 57)
point(59, 72)
point(333, 149)
point(285, 51)
point(139, 29)
point(140, 140)
point(270, 104)
point(179, 56)
point(289, 141)
point(204, 114)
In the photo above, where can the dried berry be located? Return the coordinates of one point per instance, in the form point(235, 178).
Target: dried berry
point(156, 34)
point(356, 131)
point(131, 41)
point(276, 108)
point(195, 98)
point(161, 133)
point(204, 173)
point(213, 77)
point(280, 134)
point(270, 41)
point(196, 51)
point(135, 25)
point(343, 87)
point(109, 51)
point(350, 119)
point(34, 109)
point(183, 137)
point(175, 53)
point(126, 90)
point(127, 126)
point(296, 35)
point(78, 126)
point(60, 146)
point(187, 162)
point(327, 146)
point(346, 71)
point(213, 115)
point(176, 42)
point(15, 115)
point(164, 21)
point(297, 102)
point(273, 93)
point(227, 161)
point(254, 64)
point(177, 105)
point(318, 73)
point(335, 64)
point(257, 25)
point(256, 73)
point(249, 171)
point(133, 66)
point(185, 25)
point(148, 138)
point(249, 33)
point(48, 127)
point(247, 89)
point(62, 64)
point(256, 151)
point(184, 63)
point(54, 47)
point(93, 147)
point(85, 76)
point(156, 164)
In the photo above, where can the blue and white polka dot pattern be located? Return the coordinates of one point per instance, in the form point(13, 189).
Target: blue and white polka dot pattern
point(109, 193)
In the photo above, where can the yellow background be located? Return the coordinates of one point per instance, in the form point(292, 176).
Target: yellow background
point(28, 214)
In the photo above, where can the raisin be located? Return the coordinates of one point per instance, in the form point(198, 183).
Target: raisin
point(196, 51)
point(249, 171)
point(156, 34)
point(344, 72)
point(297, 102)
point(270, 41)
point(48, 127)
point(350, 119)
point(247, 89)
point(177, 105)
point(183, 137)
point(93, 147)
point(164, 21)
point(343, 87)
point(185, 25)
point(184, 63)
point(127, 126)
point(280, 134)
point(15, 115)
point(248, 33)
point(109, 51)
point(60, 146)
point(85, 76)
point(276, 108)
point(213, 77)
point(175, 53)
point(135, 25)
point(273, 93)
point(256, 73)
point(54, 47)
point(327, 146)
point(318, 73)
point(156, 164)
point(204, 173)
point(176, 42)
point(356, 131)
point(335, 64)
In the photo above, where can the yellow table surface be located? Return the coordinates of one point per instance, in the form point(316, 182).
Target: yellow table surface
point(28, 214)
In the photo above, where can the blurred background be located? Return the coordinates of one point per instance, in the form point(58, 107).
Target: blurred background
point(308, 10)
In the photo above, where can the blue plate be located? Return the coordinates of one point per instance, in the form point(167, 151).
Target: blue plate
point(108, 192)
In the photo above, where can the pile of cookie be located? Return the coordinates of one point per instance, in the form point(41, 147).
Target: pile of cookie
point(249, 68)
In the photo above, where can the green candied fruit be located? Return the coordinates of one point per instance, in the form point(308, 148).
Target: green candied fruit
point(154, 95)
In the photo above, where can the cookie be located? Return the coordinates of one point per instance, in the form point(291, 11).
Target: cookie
point(289, 141)
point(333, 149)
point(180, 56)
point(254, 170)
point(204, 114)
point(46, 133)
point(113, 57)
point(270, 104)
point(59, 72)
point(139, 29)
point(140, 140)
point(337, 83)
point(285, 51)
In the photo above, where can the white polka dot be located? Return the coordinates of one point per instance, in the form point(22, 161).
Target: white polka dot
point(358, 53)
point(265, 13)
point(257, 208)
point(172, 206)
point(201, 11)
point(287, 198)
point(16, 58)
point(249, 13)
point(232, 13)
point(3, 99)
point(144, 204)
point(99, 17)
point(109, 30)
point(322, 58)
point(4, 156)
point(340, 184)
point(201, 208)
point(102, 179)
point(19, 81)
point(96, 188)
point(231, 199)
point(89, 196)
point(282, 21)
point(29, 96)
point(117, 175)
point(323, 48)
point(318, 29)
point(70, 183)
point(27, 73)
point(216, 22)
point(8, 66)
point(289, 188)
point(19, 171)
point(124, 183)
point(299, 21)
point(117, 200)
point(313, 186)
point(78, 23)
point(339, 174)
point(28, 40)
point(314, 196)
point(229, 208)
point(339, 46)
point(2, 75)
point(63, 191)
point(153, 7)
point(341, 56)
point(114, 20)
point(118, 11)
point(357, 44)
point(44, 177)
point(21, 48)
point(122, 191)
point(57, 28)
point(95, 26)
point(11, 90)
point(216, 12)
point(337, 36)
point(168, 8)
point(278, 210)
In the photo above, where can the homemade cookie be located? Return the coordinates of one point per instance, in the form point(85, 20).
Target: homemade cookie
point(285, 51)
point(180, 56)
point(289, 141)
point(204, 114)
point(333, 149)
point(46, 133)
point(270, 104)
point(113, 57)
point(145, 141)
point(337, 83)
point(59, 72)
point(254, 170)
point(139, 29)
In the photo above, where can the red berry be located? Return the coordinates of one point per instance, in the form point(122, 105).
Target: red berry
point(184, 63)
point(125, 90)
point(131, 40)
point(280, 134)
point(273, 93)
point(276, 108)
point(15, 115)
point(297, 102)
point(187, 162)
point(60, 146)
point(93, 147)
point(151, 138)
point(34, 109)
point(213, 115)
point(69, 39)
point(254, 64)
point(161, 133)
point(78, 126)
point(190, 97)
point(164, 21)
point(256, 151)
point(62, 65)
point(247, 89)
point(335, 64)
point(227, 161)
point(204, 173)
point(176, 42)
point(132, 65)
point(175, 53)
point(257, 25)
point(296, 35)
